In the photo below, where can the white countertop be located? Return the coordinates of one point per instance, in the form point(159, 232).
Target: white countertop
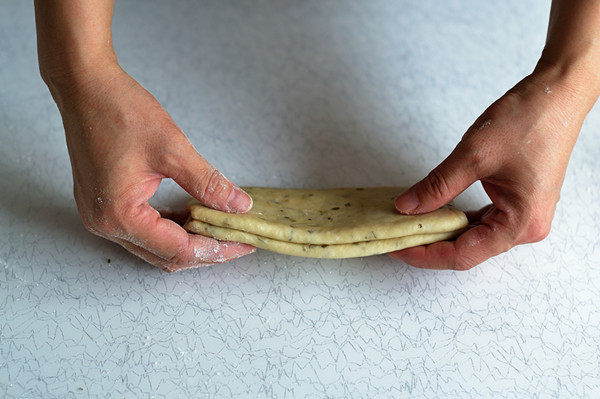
point(304, 94)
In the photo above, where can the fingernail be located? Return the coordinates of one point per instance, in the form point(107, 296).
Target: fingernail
point(407, 202)
point(239, 201)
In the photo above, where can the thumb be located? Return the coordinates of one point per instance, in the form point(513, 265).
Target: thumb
point(441, 185)
point(205, 183)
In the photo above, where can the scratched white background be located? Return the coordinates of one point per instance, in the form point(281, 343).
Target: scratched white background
point(307, 94)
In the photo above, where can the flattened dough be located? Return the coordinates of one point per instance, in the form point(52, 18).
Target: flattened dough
point(337, 251)
point(330, 223)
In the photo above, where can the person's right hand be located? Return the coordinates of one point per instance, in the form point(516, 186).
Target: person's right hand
point(122, 143)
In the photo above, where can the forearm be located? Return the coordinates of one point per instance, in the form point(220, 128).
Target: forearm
point(74, 38)
point(572, 50)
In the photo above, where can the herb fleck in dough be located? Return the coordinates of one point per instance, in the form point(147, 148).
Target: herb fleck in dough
point(330, 223)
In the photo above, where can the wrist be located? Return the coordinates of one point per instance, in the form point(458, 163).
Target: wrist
point(68, 75)
point(59, 68)
point(576, 76)
point(73, 39)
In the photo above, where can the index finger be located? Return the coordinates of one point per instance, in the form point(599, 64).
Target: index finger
point(470, 248)
point(145, 228)
point(153, 259)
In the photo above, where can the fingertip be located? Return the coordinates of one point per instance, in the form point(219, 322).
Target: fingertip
point(238, 247)
point(407, 202)
point(233, 250)
point(189, 266)
point(407, 255)
point(206, 249)
point(239, 201)
point(431, 256)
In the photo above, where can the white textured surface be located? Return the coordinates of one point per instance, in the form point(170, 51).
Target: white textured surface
point(294, 94)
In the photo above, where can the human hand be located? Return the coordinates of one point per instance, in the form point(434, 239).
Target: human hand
point(122, 143)
point(519, 149)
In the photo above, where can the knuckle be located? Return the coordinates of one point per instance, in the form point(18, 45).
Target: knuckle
point(104, 224)
point(85, 214)
point(89, 225)
point(180, 257)
point(95, 220)
point(475, 153)
point(212, 177)
point(507, 221)
point(538, 229)
point(478, 159)
point(435, 185)
point(170, 161)
point(128, 213)
point(104, 216)
point(463, 263)
point(108, 218)
point(513, 96)
point(174, 150)
point(213, 185)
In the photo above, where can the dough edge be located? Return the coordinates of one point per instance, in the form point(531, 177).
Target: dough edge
point(443, 220)
point(324, 251)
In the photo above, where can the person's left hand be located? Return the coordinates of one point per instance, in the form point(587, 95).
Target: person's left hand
point(519, 149)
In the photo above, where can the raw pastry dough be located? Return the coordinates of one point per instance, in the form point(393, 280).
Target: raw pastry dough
point(330, 223)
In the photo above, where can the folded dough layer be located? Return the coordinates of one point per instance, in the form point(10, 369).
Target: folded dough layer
point(333, 251)
point(329, 216)
point(326, 223)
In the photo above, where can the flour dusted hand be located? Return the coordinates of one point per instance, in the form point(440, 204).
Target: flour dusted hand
point(122, 143)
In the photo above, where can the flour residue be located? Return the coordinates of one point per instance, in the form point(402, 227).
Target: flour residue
point(485, 124)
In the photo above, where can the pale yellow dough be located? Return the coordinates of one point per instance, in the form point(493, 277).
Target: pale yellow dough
point(331, 223)
point(337, 251)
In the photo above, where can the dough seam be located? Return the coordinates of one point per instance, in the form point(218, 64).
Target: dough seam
point(332, 251)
